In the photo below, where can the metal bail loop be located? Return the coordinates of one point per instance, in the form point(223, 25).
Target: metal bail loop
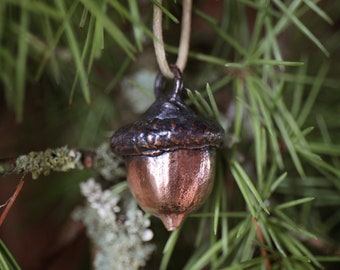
point(178, 84)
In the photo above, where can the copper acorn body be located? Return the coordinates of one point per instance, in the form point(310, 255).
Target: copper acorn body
point(170, 156)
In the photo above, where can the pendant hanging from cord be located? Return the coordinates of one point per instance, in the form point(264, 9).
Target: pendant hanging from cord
point(170, 152)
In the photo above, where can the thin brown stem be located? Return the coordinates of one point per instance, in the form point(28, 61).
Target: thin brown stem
point(262, 241)
point(12, 200)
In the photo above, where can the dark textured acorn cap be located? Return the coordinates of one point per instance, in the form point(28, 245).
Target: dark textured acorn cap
point(167, 125)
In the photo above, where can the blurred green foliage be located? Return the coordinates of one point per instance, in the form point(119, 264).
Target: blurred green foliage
point(271, 66)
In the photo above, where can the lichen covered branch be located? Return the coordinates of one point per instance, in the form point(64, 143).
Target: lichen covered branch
point(64, 159)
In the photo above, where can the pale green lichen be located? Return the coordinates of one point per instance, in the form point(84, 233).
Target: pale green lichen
point(117, 228)
point(58, 159)
point(63, 159)
point(108, 164)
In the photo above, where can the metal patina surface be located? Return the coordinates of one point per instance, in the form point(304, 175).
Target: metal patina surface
point(170, 155)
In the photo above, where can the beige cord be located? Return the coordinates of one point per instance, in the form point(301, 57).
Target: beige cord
point(184, 39)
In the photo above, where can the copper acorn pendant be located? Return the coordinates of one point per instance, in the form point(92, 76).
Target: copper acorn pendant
point(170, 155)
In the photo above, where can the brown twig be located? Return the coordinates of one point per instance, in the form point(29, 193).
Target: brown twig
point(324, 246)
point(12, 200)
point(261, 239)
point(64, 159)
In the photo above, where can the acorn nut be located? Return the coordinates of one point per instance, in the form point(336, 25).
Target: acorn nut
point(170, 155)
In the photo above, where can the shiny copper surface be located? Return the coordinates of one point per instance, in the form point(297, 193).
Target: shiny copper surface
point(170, 155)
point(173, 184)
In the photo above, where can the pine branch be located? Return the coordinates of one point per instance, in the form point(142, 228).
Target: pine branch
point(275, 164)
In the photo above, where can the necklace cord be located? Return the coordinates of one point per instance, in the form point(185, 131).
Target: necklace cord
point(184, 39)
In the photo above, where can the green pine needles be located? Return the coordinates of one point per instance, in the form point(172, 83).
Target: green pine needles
point(276, 195)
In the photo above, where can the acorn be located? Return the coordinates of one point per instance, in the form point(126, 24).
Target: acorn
point(170, 155)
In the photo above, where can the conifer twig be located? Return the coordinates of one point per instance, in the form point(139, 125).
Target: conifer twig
point(63, 159)
point(11, 200)
point(261, 239)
